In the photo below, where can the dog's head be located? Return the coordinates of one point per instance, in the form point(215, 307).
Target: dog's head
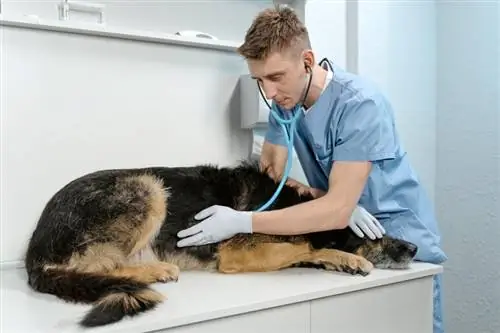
point(388, 252)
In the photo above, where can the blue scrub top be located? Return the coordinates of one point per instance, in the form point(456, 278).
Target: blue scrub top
point(353, 121)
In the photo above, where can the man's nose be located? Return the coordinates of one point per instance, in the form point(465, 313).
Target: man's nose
point(269, 89)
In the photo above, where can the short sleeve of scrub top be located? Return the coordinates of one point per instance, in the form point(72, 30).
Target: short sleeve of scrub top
point(366, 131)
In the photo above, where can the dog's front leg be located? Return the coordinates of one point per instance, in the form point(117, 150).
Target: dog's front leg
point(240, 257)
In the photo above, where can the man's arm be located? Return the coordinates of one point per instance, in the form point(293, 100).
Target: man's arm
point(331, 211)
point(366, 135)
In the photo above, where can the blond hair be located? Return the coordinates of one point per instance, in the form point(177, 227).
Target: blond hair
point(275, 29)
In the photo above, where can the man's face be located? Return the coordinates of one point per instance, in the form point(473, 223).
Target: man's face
point(283, 77)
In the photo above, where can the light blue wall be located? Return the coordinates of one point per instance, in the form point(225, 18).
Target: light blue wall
point(468, 162)
point(439, 63)
point(397, 50)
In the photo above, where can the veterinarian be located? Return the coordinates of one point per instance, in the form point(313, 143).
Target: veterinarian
point(346, 141)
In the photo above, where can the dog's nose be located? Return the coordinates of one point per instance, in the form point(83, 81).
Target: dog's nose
point(413, 249)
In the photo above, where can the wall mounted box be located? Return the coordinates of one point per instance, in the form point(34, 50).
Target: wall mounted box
point(253, 108)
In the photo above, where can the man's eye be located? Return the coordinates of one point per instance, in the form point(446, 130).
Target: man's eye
point(276, 77)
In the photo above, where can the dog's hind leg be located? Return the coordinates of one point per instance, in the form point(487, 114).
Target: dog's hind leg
point(136, 230)
point(148, 272)
point(255, 253)
point(107, 259)
point(119, 253)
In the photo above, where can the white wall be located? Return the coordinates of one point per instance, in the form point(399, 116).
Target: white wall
point(135, 79)
point(48, 78)
point(72, 104)
point(468, 162)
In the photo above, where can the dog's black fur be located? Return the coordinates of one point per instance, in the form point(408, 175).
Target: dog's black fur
point(105, 237)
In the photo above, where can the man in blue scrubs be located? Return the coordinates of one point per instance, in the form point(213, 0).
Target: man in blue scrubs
point(347, 144)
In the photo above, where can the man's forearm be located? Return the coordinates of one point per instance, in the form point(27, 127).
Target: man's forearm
point(316, 215)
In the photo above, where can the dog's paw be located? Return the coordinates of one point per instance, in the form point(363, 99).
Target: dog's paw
point(343, 262)
point(357, 265)
point(165, 272)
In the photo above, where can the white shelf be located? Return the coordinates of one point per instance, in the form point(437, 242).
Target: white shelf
point(115, 32)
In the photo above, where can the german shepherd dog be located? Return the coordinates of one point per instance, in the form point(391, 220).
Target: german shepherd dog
point(105, 237)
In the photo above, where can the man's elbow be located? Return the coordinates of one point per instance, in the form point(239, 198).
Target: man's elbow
point(339, 214)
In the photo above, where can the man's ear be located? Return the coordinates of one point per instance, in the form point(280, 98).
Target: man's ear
point(308, 57)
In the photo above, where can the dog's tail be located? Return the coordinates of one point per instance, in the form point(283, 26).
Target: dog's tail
point(113, 297)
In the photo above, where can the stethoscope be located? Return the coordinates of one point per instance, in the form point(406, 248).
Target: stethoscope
point(288, 127)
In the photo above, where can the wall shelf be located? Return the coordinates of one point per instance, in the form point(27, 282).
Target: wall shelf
point(36, 23)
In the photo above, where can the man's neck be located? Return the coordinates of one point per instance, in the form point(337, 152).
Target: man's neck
point(317, 85)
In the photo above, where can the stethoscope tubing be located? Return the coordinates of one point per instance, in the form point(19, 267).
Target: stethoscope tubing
point(288, 132)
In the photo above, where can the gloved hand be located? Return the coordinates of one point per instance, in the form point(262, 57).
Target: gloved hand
point(219, 223)
point(362, 220)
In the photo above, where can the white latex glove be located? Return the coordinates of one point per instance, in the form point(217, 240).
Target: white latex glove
point(219, 223)
point(361, 221)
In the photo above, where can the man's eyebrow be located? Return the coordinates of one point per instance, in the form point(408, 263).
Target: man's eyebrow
point(270, 74)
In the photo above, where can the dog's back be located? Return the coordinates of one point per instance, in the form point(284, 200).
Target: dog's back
point(106, 236)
